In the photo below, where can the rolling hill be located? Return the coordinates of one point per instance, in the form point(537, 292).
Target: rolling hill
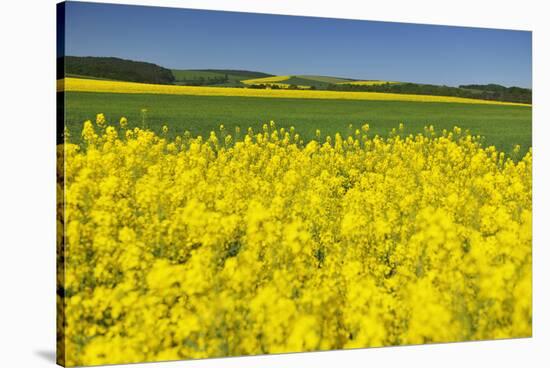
point(110, 68)
point(225, 77)
point(299, 81)
point(311, 81)
point(368, 82)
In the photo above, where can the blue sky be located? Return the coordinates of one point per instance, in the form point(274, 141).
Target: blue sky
point(289, 45)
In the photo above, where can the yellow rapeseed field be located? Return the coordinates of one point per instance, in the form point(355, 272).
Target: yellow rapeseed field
point(265, 80)
point(91, 85)
point(273, 81)
point(257, 242)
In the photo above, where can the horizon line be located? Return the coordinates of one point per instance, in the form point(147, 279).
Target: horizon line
point(297, 74)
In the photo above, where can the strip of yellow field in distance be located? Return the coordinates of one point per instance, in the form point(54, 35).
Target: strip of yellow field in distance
point(102, 86)
point(265, 80)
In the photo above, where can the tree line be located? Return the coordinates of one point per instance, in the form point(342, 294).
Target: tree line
point(115, 69)
point(202, 81)
point(493, 92)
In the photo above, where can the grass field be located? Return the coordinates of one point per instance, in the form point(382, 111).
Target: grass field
point(503, 126)
point(325, 79)
point(369, 82)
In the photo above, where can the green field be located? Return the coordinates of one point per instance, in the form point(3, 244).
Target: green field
point(324, 79)
point(502, 126)
point(306, 81)
point(182, 75)
point(317, 81)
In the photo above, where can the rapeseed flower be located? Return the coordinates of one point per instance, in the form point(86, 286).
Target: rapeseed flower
point(187, 248)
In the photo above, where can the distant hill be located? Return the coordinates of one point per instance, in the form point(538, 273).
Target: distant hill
point(325, 79)
point(135, 71)
point(493, 92)
point(298, 81)
point(245, 78)
point(502, 93)
point(225, 77)
point(369, 82)
point(116, 69)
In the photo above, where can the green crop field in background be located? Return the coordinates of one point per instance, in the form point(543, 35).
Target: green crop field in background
point(325, 79)
point(196, 74)
point(233, 76)
point(502, 126)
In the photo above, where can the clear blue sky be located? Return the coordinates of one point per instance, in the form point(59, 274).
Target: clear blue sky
point(287, 45)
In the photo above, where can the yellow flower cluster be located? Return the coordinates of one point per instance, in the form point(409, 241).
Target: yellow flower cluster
point(93, 85)
point(257, 242)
